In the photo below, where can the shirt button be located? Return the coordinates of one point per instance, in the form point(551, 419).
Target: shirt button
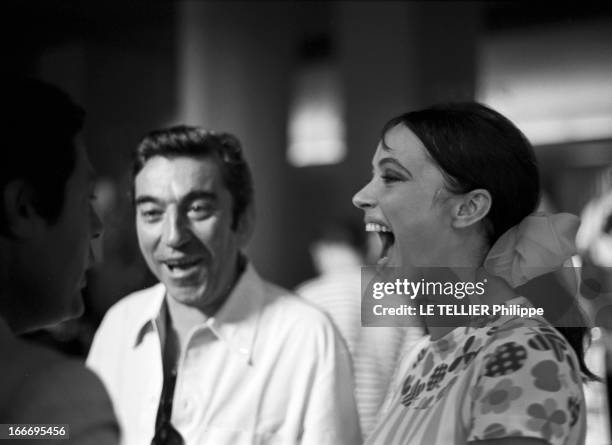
point(187, 406)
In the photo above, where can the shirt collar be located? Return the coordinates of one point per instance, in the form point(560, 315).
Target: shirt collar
point(235, 323)
point(152, 315)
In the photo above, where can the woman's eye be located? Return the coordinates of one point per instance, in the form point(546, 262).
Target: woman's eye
point(390, 177)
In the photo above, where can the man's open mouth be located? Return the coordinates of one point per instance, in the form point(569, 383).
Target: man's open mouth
point(387, 239)
point(181, 264)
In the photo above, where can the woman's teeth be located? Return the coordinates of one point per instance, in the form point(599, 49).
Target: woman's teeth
point(374, 227)
point(387, 239)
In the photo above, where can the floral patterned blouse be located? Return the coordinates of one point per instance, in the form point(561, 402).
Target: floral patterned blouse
point(512, 376)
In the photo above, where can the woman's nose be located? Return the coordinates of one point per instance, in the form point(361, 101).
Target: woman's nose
point(364, 198)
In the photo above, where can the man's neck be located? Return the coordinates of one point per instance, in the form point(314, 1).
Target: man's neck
point(183, 319)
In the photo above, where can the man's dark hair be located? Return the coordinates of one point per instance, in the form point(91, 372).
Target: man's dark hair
point(39, 125)
point(189, 141)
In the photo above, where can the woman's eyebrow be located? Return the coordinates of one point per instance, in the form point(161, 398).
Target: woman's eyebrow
point(394, 162)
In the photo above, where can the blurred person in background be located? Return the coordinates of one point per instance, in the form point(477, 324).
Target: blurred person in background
point(47, 225)
point(574, 302)
point(339, 252)
point(213, 353)
point(454, 186)
point(594, 241)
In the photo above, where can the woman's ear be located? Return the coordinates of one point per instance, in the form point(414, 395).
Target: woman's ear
point(22, 219)
point(471, 207)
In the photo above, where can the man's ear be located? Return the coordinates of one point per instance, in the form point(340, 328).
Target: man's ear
point(246, 225)
point(22, 219)
point(471, 207)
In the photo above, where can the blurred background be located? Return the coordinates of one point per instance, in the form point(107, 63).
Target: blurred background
point(306, 86)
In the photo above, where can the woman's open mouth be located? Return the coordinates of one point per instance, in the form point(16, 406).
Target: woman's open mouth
point(387, 239)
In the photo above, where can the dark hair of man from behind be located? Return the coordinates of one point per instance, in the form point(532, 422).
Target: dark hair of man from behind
point(476, 147)
point(196, 142)
point(38, 129)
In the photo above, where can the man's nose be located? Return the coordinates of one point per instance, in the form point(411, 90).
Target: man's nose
point(95, 246)
point(97, 227)
point(364, 198)
point(176, 232)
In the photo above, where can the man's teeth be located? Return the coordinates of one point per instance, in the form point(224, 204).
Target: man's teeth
point(181, 264)
point(373, 227)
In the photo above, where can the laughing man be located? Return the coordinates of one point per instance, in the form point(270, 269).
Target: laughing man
point(213, 353)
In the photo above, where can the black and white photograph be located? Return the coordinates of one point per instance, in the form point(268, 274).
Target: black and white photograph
point(305, 222)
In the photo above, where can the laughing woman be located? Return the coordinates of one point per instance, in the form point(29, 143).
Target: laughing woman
point(457, 185)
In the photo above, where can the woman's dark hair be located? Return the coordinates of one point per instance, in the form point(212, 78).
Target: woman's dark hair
point(476, 147)
point(38, 127)
point(223, 148)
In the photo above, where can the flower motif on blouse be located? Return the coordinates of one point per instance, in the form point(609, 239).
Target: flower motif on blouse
point(482, 321)
point(470, 350)
point(546, 418)
point(573, 406)
point(499, 332)
point(498, 399)
point(546, 375)
point(548, 339)
point(420, 356)
point(437, 376)
point(445, 346)
point(446, 388)
point(573, 368)
point(428, 364)
point(506, 359)
point(497, 431)
point(411, 390)
point(477, 392)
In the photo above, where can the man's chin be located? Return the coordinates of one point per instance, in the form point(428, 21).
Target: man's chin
point(78, 307)
point(188, 295)
point(74, 309)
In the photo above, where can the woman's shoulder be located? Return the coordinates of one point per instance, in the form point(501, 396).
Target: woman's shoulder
point(534, 332)
point(527, 344)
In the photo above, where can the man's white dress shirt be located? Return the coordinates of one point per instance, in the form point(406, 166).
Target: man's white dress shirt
point(268, 368)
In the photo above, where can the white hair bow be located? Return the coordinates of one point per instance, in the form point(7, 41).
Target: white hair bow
point(539, 244)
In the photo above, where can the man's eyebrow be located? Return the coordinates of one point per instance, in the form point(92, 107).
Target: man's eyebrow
point(395, 163)
point(200, 194)
point(146, 199)
point(191, 196)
